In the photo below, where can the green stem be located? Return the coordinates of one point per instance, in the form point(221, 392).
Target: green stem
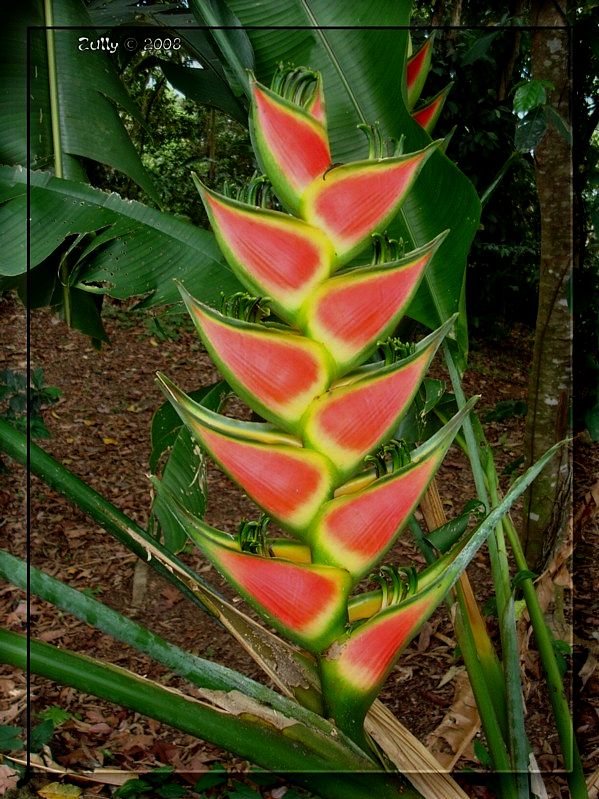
point(557, 694)
point(482, 653)
point(56, 138)
point(269, 741)
point(518, 742)
point(484, 671)
point(490, 723)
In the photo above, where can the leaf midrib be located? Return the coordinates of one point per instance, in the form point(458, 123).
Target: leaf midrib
point(319, 33)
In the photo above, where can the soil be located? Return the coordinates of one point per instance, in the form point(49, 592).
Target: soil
point(100, 430)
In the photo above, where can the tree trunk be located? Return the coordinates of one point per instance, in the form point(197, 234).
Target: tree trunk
point(547, 506)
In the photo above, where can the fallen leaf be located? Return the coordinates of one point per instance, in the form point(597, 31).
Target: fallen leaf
point(424, 638)
point(588, 668)
point(450, 739)
point(593, 784)
point(590, 505)
point(8, 779)
point(52, 635)
point(172, 595)
point(58, 790)
point(110, 441)
point(449, 675)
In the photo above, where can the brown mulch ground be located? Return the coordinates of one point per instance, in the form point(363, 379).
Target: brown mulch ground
point(100, 430)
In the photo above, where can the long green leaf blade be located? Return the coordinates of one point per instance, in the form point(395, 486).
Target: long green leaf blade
point(225, 718)
point(88, 88)
point(137, 250)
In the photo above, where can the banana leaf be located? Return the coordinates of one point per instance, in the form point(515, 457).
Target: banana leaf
point(130, 249)
point(89, 95)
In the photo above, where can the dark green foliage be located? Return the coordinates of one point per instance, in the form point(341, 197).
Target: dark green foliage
point(10, 738)
point(506, 409)
point(159, 782)
point(179, 136)
point(503, 263)
point(13, 400)
point(563, 652)
point(216, 776)
point(482, 754)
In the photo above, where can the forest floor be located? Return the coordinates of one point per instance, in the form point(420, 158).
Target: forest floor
point(100, 430)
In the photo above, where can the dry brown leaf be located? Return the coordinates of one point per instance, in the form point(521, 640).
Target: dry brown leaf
point(450, 739)
point(588, 668)
point(52, 635)
point(140, 584)
point(593, 784)
point(556, 573)
point(589, 507)
point(410, 756)
point(424, 638)
point(450, 674)
point(8, 779)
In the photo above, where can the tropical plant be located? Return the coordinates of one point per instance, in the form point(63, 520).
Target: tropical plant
point(327, 409)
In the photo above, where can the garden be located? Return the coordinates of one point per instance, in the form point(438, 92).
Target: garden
point(295, 499)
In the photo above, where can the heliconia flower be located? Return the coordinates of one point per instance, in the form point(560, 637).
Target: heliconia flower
point(353, 310)
point(427, 115)
point(273, 254)
point(277, 372)
point(308, 602)
point(417, 70)
point(288, 482)
point(355, 666)
point(352, 201)
point(291, 143)
point(327, 410)
point(353, 531)
point(378, 395)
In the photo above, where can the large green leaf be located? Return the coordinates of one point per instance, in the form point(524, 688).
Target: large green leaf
point(226, 718)
point(89, 95)
point(229, 38)
point(363, 70)
point(210, 88)
point(135, 250)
